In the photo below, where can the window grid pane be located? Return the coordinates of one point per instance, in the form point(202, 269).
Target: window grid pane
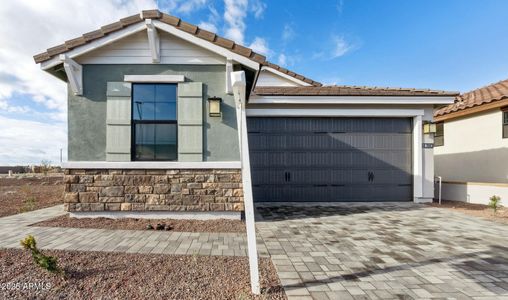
point(154, 122)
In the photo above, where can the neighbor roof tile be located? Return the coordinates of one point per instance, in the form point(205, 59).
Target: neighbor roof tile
point(495, 92)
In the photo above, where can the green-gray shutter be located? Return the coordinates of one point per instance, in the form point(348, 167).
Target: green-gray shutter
point(190, 121)
point(118, 122)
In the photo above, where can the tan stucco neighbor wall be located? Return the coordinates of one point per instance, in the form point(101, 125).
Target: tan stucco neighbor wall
point(474, 150)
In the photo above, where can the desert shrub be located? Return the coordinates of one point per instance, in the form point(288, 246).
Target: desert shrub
point(29, 204)
point(45, 167)
point(48, 263)
point(495, 202)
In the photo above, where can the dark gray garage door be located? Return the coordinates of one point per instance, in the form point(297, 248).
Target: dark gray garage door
point(330, 159)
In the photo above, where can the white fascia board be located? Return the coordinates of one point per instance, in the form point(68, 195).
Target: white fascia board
point(334, 112)
point(101, 42)
point(207, 45)
point(151, 165)
point(350, 100)
point(154, 78)
point(285, 76)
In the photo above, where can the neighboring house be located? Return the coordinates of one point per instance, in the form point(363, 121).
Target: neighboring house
point(471, 153)
point(147, 132)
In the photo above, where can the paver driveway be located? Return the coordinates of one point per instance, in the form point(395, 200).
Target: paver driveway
point(385, 251)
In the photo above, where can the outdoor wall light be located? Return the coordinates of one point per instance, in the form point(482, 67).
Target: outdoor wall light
point(429, 127)
point(214, 106)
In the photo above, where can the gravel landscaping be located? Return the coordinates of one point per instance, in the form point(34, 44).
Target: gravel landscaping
point(21, 194)
point(99, 275)
point(221, 225)
point(477, 210)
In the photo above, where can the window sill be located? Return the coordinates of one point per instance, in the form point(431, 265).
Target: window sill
point(152, 165)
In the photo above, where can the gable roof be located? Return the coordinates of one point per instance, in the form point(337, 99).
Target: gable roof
point(477, 100)
point(170, 20)
point(345, 90)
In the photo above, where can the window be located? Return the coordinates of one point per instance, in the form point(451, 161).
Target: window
point(439, 136)
point(505, 124)
point(154, 122)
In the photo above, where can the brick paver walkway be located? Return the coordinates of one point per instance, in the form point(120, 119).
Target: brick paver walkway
point(385, 251)
point(16, 227)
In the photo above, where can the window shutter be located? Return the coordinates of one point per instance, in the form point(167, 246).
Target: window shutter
point(118, 122)
point(190, 121)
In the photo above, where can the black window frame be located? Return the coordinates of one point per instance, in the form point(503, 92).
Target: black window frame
point(439, 135)
point(504, 128)
point(134, 122)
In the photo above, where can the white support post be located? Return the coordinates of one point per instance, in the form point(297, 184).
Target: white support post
point(239, 86)
point(153, 41)
point(417, 158)
point(229, 70)
point(74, 73)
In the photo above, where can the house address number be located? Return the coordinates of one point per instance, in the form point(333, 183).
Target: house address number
point(428, 145)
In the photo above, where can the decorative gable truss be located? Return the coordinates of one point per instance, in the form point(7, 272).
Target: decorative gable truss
point(153, 41)
point(74, 73)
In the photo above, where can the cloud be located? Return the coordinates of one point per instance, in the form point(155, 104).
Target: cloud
point(341, 47)
point(208, 26)
point(182, 7)
point(337, 47)
point(235, 12)
point(51, 23)
point(29, 142)
point(288, 33)
point(258, 8)
point(260, 45)
point(282, 59)
point(339, 6)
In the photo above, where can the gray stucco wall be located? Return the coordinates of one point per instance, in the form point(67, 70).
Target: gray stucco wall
point(87, 113)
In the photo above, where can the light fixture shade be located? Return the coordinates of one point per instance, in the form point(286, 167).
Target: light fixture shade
point(429, 128)
point(214, 106)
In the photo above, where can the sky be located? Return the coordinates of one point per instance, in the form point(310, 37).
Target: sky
point(455, 45)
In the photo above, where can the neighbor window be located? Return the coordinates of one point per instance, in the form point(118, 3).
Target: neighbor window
point(439, 135)
point(154, 122)
point(505, 124)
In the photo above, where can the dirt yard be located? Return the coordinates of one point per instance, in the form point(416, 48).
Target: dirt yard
point(141, 224)
point(477, 210)
point(29, 193)
point(99, 275)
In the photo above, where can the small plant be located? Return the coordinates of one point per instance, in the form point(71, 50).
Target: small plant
point(494, 202)
point(48, 263)
point(29, 204)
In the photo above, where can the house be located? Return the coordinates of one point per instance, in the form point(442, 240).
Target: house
point(471, 145)
point(159, 111)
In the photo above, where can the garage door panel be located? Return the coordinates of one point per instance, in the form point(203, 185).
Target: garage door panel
point(308, 176)
point(267, 176)
point(330, 159)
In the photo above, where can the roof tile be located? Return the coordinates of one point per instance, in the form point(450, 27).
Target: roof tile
point(151, 14)
point(187, 27)
point(93, 35)
point(343, 90)
point(244, 51)
point(224, 42)
point(494, 92)
point(207, 35)
point(171, 20)
point(41, 57)
point(111, 27)
point(57, 49)
point(130, 20)
point(75, 42)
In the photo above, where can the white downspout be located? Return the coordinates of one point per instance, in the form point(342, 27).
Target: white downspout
point(239, 86)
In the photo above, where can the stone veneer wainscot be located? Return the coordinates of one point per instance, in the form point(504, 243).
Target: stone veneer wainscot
point(153, 190)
